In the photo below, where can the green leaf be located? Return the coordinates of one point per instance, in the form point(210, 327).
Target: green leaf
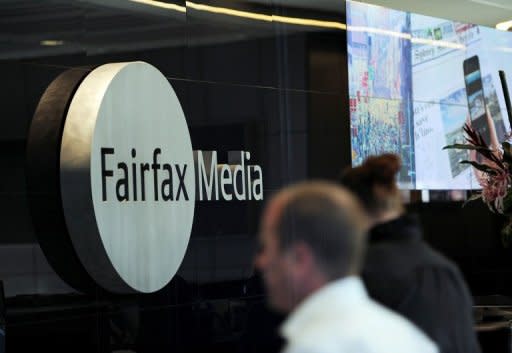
point(482, 167)
point(461, 146)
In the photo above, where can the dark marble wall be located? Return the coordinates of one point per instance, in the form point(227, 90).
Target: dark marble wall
point(270, 87)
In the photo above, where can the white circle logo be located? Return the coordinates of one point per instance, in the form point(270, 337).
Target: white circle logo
point(127, 144)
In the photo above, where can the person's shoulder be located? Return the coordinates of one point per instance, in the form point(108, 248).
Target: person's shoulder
point(368, 327)
point(436, 269)
point(404, 258)
point(383, 326)
point(439, 260)
point(365, 327)
point(368, 330)
point(358, 339)
point(392, 259)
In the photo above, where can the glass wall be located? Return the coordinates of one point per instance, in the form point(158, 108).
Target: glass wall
point(263, 76)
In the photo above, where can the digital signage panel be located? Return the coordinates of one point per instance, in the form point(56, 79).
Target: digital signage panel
point(414, 81)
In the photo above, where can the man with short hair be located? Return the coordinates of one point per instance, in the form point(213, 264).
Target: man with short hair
point(313, 239)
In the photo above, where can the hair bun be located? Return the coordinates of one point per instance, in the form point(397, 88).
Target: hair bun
point(383, 168)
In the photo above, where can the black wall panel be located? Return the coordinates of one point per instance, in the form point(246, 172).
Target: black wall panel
point(270, 88)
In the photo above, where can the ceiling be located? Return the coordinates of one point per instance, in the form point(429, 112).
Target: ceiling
point(100, 26)
point(36, 28)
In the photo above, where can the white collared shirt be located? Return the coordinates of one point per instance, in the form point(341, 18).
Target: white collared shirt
point(341, 318)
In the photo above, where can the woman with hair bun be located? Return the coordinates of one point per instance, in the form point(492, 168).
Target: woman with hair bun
point(401, 271)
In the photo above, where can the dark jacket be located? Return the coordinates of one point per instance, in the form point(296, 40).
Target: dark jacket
point(403, 273)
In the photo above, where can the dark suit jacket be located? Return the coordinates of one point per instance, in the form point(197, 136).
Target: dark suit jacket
point(403, 273)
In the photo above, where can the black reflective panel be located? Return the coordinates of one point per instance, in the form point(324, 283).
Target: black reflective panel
point(252, 76)
point(231, 41)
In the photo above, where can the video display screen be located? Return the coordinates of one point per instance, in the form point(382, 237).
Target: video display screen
point(414, 81)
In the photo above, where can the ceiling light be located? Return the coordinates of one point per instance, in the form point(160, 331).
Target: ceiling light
point(266, 18)
point(309, 22)
point(229, 12)
point(438, 43)
point(162, 5)
point(51, 42)
point(504, 26)
point(492, 4)
point(407, 36)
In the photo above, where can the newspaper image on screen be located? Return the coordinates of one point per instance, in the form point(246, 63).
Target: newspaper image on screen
point(407, 90)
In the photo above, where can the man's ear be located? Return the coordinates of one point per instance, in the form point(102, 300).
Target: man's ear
point(302, 257)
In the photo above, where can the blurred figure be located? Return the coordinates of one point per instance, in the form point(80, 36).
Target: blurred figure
point(401, 271)
point(312, 241)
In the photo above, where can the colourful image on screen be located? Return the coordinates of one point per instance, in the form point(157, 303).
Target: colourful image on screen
point(407, 90)
point(476, 104)
point(472, 77)
point(380, 85)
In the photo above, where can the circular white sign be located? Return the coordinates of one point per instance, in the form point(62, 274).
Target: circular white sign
point(126, 149)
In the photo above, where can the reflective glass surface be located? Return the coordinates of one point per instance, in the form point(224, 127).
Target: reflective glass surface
point(263, 76)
